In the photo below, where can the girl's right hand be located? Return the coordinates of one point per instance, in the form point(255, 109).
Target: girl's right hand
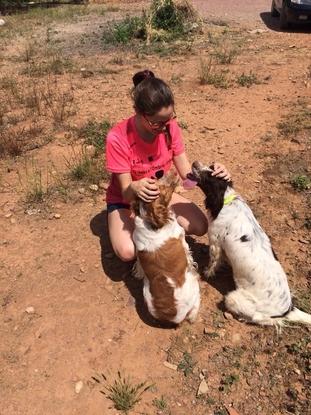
point(146, 189)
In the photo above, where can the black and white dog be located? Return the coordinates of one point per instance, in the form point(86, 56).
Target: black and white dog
point(262, 295)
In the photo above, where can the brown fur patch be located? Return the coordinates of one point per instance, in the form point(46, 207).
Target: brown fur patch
point(157, 212)
point(169, 261)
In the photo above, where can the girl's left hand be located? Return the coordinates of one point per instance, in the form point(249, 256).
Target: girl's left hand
point(221, 172)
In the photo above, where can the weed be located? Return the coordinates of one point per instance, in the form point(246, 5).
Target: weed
point(297, 120)
point(57, 101)
point(225, 54)
point(307, 223)
point(247, 79)
point(301, 183)
point(117, 60)
point(182, 124)
point(187, 364)
point(123, 393)
point(95, 133)
point(160, 403)
point(35, 182)
point(83, 167)
point(209, 76)
point(11, 143)
point(125, 31)
point(227, 381)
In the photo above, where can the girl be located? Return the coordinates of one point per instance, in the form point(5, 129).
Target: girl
point(140, 150)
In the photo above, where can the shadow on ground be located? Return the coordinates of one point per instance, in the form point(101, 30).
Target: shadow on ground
point(273, 23)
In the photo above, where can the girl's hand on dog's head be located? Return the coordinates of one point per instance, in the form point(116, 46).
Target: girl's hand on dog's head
point(221, 172)
point(146, 189)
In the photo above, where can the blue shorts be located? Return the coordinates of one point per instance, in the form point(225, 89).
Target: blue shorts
point(116, 206)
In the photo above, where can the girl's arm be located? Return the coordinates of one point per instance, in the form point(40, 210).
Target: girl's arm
point(183, 167)
point(146, 189)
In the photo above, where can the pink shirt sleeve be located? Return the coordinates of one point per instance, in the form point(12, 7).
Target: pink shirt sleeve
point(177, 141)
point(117, 154)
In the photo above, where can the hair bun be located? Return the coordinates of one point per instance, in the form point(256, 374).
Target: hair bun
point(141, 76)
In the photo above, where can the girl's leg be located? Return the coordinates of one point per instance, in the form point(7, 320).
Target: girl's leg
point(189, 215)
point(121, 226)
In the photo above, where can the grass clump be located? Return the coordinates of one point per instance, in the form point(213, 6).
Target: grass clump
point(165, 20)
point(301, 183)
point(95, 133)
point(84, 167)
point(187, 364)
point(299, 119)
point(123, 393)
point(160, 403)
point(226, 54)
point(209, 76)
point(247, 79)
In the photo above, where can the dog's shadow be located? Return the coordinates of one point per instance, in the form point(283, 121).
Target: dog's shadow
point(223, 279)
point(117, 270)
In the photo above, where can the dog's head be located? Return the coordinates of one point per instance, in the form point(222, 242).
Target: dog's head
point(157, 212)
point(213, 187)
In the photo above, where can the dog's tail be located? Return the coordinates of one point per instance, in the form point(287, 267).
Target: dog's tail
point(298, 316)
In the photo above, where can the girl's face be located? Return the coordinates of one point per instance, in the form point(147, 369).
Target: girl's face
point(157, 123)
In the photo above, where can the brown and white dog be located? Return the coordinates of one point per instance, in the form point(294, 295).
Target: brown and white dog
point(164, 261)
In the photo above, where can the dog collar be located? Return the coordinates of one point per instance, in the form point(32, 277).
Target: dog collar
point(229, 199)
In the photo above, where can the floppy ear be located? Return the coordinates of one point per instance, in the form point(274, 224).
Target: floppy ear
point(166, 193)
point(135, 207)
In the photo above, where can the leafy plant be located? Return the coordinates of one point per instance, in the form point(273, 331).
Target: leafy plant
point(187, 364)
point(301, 183)
point(247, 79)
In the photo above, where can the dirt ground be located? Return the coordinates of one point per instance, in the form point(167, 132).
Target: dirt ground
point(69, 309)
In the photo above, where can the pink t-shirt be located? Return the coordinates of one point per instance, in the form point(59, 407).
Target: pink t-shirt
point(127, 152)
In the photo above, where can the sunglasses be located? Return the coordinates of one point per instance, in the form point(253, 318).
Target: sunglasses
point(159, 124)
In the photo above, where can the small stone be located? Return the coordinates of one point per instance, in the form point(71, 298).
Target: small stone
point(201, 376)
point(57, 216)
point(31, 212)
point(81, 190)
point(30, 310)
point(257, 31)
point(228, 316)
point(203, 388)
point(236, 338)
point(103, 185)
point(297, 371)
point(2, 22)
point(13, 220)
point(93, 187)
point(8, 215)
point(170, 365)
point(85, 73)
point(78, 386)
point(91, 150)
point(82, 270)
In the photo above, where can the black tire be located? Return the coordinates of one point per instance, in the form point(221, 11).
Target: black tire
point(284, 23)
point(274, 12)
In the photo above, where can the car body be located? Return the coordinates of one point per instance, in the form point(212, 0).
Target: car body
point(291, 11)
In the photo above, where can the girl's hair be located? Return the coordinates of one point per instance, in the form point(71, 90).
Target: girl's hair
point(150, 94)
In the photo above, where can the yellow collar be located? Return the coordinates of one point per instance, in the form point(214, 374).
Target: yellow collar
point(229, 199)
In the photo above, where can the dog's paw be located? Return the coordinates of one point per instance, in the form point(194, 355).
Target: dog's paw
point(137, 271)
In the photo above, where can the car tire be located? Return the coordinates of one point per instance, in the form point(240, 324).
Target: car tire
point(284, 23)
point(274, 12)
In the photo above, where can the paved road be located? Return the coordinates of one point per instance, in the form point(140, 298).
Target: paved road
point(235, 9)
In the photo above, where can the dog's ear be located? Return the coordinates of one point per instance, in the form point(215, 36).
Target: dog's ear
point(135, 206)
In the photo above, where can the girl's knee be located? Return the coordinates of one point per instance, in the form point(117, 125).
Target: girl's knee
point(126, 253)
point(199, 228)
